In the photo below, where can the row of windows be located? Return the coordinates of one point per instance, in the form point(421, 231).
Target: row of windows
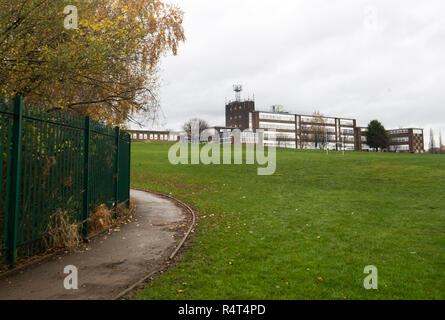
point(348, 139)
point(153, 136)
point(237, 108)
point(347, 122)
point(275, 116)
point(249, 137)
point(400, 139)
point(279, 135)
point(316, 119)
point(282, 126)
point(235, 117)
point(323, 128)
point(400, 131)
point(404, 147)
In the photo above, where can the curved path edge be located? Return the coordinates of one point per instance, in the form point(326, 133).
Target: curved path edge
point(113, 263)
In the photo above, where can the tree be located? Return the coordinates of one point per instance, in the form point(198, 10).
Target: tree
point(106, 68)
point(432, 142)
point(202, 125)
point(318, 129)
point(377, 137)
point(441, 146)
point(304, 139)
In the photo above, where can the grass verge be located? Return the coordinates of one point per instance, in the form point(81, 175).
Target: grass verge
point(307, 232)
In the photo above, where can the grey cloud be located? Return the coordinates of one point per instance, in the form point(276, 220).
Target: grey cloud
point(330, 56)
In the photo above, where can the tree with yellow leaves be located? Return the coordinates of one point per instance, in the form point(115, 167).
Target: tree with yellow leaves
point(107, 67)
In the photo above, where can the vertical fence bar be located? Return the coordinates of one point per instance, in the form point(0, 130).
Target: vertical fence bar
point(86, 163)
point(39, 158)
point(116, 190)
point(129, 169)
point(14, 200)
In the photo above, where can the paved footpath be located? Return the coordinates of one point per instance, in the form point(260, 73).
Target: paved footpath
point(110, 263)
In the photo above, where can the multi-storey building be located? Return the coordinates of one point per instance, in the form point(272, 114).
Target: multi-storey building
point(406, 140)
point(360, 139)
point(288, 130)
point(333, 133)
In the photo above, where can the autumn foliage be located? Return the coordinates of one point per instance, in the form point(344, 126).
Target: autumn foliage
point(107, 68)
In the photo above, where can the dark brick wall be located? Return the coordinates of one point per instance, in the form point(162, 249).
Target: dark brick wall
point(237, 114)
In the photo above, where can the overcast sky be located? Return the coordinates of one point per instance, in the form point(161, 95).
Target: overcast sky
point(358, 59)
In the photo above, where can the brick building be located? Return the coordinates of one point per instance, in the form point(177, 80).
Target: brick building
point(291, 130)
point(237, 114)
point(404, 140)
point(288, 130)
point(312, 131)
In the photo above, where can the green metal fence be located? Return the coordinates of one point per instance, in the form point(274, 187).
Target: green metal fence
point(54, 162)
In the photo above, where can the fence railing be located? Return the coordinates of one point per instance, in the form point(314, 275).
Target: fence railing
point(52, 162)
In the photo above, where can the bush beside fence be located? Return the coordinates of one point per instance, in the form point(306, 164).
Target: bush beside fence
point(53, 162)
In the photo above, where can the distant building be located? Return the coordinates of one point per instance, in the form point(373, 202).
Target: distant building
point(153, 136)
point(404, 140)
point(297, 131)
point(290, 130)
point(284, 129)
point(360, 144)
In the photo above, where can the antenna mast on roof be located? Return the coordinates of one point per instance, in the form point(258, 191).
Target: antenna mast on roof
point(238, 89)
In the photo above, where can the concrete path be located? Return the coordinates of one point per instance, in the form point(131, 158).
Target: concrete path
point(110, 263)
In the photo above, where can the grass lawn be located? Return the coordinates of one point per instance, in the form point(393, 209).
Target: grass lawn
point(308, 231)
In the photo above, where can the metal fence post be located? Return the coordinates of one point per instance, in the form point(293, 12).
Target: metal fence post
point(117, 133)
point(86, 177)
point(129, 171)
point(14, 196)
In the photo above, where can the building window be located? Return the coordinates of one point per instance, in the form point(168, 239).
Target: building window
point(145, 137)
point(400, 139)
point(347, 122)
point(400, 131)
point(274, 116)
point(282, 126)
point(399, 148)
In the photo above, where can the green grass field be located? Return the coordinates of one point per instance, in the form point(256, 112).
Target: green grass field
point(308, 231)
